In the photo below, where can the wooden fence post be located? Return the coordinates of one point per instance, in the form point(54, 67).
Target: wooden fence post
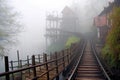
point(20, 63)
point(69, 51)
point(68, 56)
point(56, 63)
point(18, 58)
point(28, 63)
point(51, 57)
point(20, 67)
point(71, 54)
point(12, 69)
point(7, 67)
point(39, 58)
point(63, 59)
point(11, 62)
point(45, 57)
point(33, 63)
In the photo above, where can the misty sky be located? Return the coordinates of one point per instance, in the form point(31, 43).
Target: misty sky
point(32, 16)
point(87, 11)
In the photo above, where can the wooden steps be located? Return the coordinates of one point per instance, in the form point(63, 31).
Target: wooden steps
point(88, 68)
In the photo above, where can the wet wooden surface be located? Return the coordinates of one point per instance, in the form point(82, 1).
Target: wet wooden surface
point(89, 68)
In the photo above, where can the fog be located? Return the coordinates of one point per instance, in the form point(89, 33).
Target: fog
point(32, 15)
point(87, 10)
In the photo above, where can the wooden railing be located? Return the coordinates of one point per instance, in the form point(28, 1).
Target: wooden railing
point(50, 68)
point(20, 63)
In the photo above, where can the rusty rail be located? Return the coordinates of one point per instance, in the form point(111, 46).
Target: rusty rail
point(79, 70)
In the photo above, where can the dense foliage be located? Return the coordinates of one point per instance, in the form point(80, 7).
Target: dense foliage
point(72, 39)
point(113, 38)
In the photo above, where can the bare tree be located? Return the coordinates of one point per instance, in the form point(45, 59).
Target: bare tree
point(9, 26)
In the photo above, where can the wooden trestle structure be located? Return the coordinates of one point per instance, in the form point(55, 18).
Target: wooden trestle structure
point(58, 27)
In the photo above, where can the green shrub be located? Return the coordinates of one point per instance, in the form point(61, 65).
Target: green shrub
point(113, 39)
point(108, 56)
point(72, 39)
